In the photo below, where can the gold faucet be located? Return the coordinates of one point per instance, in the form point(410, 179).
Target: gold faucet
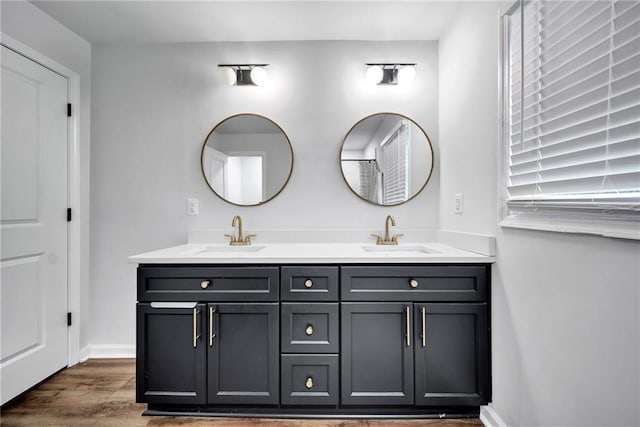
point(387, 240)
point(240, 240)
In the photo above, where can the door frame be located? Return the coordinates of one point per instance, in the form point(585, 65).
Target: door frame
point(73, 188)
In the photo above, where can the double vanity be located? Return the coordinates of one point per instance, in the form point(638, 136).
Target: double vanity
point(313, 330)
point(384, 329)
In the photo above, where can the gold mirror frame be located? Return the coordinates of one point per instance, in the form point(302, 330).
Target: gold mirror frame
point(206, 140)
point(428, 140)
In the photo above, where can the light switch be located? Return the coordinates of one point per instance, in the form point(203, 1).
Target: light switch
point(458, 205)
point(192, 206)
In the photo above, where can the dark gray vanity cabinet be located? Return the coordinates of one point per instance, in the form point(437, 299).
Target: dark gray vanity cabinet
point(243, 356)
point(171, 354)
point(314, 340)
point(431, 349)
point(208, 335)
point(423, 354)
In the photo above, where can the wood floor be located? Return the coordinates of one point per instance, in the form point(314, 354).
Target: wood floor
point(101, 392)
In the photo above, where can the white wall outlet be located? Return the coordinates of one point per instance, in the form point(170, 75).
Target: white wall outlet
point(459, 201)
point(192, 206)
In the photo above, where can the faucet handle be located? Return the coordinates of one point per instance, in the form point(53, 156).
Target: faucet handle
point(232, 238)
point(378, 239)
point(395, 237)
point(247, 238)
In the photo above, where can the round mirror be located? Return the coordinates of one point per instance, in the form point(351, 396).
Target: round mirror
point(386, 159)
point(247, 159)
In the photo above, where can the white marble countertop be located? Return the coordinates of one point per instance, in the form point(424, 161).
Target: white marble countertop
point(312, 253)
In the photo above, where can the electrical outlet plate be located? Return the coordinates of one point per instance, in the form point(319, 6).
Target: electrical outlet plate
point(458, 203)
point(192, 206)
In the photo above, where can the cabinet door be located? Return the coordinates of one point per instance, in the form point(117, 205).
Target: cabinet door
point(451, 354)
point(243, 354)
point(170, 353)
point(377, 354)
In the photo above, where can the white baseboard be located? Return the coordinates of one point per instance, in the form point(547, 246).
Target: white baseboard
point(84, 353)
point(107, 351)
point(490, 418)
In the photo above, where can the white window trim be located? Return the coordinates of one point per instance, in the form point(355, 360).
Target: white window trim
point(557, 221)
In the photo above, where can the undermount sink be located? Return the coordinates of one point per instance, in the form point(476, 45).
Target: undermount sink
point(400, 249)
point(230, 248)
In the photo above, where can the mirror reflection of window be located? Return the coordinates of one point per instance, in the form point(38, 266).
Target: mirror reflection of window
point(395, 160)
point(386, 159)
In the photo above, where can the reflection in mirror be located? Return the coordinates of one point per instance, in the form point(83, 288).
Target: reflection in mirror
point(247, 159)
point(386, 159)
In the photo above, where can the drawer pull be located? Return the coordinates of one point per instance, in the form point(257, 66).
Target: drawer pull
point(212, 313)
point(308, 283)
point(309, 330)
point(408, 312)
point(195, 328)
point(205, 284)
point(424, 327)
point(309, 383)
point(413, 283)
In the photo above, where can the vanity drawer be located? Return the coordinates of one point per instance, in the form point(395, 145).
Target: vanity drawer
point(310, 328)
point(309, 283)
point(309, 379)
point(208, 283)
point(415, 283)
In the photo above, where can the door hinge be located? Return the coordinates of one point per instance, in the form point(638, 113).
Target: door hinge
point(69, 109)
point(69, 319)
point(68, 214)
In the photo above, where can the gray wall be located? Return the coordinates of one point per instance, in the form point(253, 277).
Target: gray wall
point(37, 30)
point(153, 105)
point(565, 308)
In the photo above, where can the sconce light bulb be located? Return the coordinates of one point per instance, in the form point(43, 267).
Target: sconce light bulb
point(259, 76)
point(374, 74)
point(230, 75)
point(406, 74)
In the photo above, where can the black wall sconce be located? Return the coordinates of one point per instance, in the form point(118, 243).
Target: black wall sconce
point(390, 73)
point(246, 74)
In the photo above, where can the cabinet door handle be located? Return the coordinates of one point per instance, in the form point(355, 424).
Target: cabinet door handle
point(212, 312)
point(413, 283)
point(408, 312)
point(308, 283)
point(309, 330)
point(195, 328)
point(309, 383)
point(205, 284)
point(424, 327)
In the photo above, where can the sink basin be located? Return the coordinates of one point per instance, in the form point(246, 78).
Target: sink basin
point(400, 249)
point(231, 249)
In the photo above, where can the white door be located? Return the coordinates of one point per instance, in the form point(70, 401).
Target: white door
point(215, 170)
point(33, 224)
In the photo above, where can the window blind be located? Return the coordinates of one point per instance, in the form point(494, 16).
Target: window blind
point(572, 81)
point(395, 153)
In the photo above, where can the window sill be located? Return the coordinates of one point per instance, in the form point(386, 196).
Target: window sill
point(606, 228)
